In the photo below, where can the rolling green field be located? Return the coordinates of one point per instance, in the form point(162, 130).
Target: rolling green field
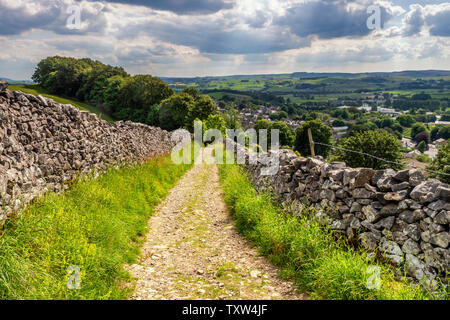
point(323, 87)
point(37, 90)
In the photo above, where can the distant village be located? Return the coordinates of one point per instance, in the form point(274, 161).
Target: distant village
point(249, 117)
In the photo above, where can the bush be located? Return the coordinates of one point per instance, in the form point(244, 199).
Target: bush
point(320, 133)
point(378, 143)
point(441, 164)
point(422, 146)
point(423, 158)
point(417, 128)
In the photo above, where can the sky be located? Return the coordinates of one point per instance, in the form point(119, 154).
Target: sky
point(188, 38)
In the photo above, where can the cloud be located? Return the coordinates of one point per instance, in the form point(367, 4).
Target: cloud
point(17, 17)
point(181, 6)
point(215, 35)
point(328, 19)
point(413, 21)
point(435, 18)
point(439, 22)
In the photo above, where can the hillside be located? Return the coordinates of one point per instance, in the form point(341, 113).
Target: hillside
point(35, 89)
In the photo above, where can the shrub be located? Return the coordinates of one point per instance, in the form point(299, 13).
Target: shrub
point(378, 143)
point(441, 164)
point(320, 133)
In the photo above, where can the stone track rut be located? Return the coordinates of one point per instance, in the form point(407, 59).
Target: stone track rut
point(193, 251)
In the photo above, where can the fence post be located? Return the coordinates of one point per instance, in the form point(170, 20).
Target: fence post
point(311, 143)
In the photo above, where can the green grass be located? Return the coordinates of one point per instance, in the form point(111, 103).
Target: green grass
point(307, 252)
point(38, 90)
point(97, 225)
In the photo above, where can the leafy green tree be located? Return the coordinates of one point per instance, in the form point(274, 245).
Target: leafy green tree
point(111, 93)
point(194, 92)
point(406, 120)
point(320, 133)
point(355, 128)
point(143, 91)
point(215, 121)
point(173, 111)
point(378, 143)
point(202, 108)
point(286, 135)
point(417, 128)
point(153, 116)
point(422, 146)
point(440, 132)
point(232, 118)
point(441, 164)
point(339, 123)
point(262, 124)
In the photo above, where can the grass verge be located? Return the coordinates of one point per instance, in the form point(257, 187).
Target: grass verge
point(35, 89)
point(96, 226)
point(306, 251)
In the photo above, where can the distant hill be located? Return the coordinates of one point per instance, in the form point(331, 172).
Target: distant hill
point(16, 81)
point(408, 73)
point(315, 75)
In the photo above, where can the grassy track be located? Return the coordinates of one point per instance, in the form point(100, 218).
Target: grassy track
point(321, 266)
point(97, 226)
point(38, 90)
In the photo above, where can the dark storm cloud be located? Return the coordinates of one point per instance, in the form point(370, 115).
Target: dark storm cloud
point(210, 37)
point(14, 21)
point(181, 6)
point(50, 15)
point(439, 23)
point(328, 19)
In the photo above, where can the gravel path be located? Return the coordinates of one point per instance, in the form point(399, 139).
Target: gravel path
point(193, 251)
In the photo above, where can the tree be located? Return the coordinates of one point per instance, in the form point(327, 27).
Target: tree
point(153, 116)
point(320, 133)
point(355, 128)
point(440, 132)
point(173, 111)
point(286, 135)
point(215, 121)
point(417, 128)
point(422, 147)
point(441, 164)
point(232, 117)
point(111, 93)
point(262, 124)
point(339, 123)
point(143, 91)
point(406, 120)
point(422, 137)
point(378, 143)
point(202, 108)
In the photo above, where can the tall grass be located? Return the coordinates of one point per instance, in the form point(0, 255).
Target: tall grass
point(306, 251)
point(97, 226)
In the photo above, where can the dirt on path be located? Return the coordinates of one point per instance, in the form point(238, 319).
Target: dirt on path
point(193, 251)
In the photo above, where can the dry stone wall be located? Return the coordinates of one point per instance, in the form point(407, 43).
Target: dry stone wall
point(44, 144)
point(401, 216)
